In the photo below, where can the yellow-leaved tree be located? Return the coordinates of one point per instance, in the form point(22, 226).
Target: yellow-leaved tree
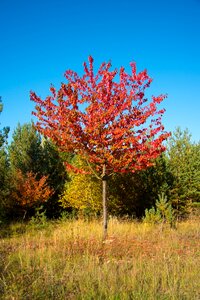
point(83, 191)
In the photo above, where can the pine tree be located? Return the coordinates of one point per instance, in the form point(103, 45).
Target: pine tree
point(132, 193)
point(4, 184)
point(161, 213)
point(3, 132)
point(4, 170)
point(25, 151)
point(184, 164)
point(53, 167)
point(30, 152)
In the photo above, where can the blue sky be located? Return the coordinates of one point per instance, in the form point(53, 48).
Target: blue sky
point(40, 39)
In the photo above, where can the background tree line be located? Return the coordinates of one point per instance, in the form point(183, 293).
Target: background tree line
point(32, 174)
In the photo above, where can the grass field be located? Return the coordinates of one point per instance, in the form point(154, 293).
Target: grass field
point(69, 260)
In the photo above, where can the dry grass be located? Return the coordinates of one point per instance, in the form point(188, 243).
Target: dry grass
point(69, 260)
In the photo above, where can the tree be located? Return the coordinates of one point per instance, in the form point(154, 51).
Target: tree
point(3, 132)
point(161, 213)
point(4, 169)
point(106, 119)
point(25, 151)
point(135, 192)
point(52, 166)
point(4, 183)
point(184, 164)
point(29, 191)
point(83, 191)
point(30, 152)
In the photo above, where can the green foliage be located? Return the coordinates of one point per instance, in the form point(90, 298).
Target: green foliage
point(68, 215)
point(25, 151)
point(4, 184)
point(196, 209)
point(4, 172)
point(53, 167)
point(162, 213)
point(176, 174)
point(82, 192)
point(39, 220)
point(25, 156)
point(131, 193)
point(29, 152)
point(3, 132)
point(184, 165)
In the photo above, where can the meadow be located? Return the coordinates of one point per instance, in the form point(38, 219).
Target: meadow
point(67, 259)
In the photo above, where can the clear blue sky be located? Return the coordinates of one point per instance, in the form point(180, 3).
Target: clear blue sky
point(40, 39)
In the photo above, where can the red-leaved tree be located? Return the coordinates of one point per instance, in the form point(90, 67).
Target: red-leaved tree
point(106, 118)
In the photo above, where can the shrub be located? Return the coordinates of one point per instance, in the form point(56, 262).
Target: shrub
point(162, 213)
point(29, 192)
point(82, 192)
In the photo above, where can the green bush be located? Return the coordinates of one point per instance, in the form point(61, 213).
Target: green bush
point(162, 213)
point(39, 220)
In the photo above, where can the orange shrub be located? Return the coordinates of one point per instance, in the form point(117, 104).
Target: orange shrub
point(29, 191)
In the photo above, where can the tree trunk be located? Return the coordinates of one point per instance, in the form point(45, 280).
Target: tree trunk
point(104, 198)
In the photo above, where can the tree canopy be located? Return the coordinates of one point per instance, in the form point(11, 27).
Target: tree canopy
point(104, 117)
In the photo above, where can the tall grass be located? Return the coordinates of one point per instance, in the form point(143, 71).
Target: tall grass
point(69, 260)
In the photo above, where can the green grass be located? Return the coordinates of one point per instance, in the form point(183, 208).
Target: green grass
point(69, 260)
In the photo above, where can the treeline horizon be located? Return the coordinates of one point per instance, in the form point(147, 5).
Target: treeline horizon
point(33, 177)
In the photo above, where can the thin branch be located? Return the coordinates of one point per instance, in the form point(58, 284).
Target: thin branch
point(95, 174)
